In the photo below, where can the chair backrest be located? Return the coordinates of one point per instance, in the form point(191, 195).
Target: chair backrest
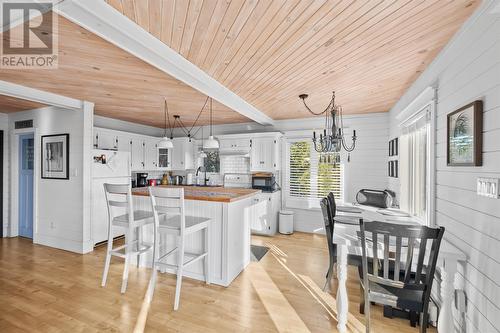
point(333, 205)
point(170, 201)
point(328, 221)
point(388, 241)
point(118, 196)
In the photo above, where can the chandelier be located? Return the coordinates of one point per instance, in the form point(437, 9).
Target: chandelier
point(330, 143)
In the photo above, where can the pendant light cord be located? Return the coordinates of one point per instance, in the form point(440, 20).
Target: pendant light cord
point(210, 116)
point(167, 118)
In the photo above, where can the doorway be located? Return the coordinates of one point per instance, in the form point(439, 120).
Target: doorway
point(1, 184)
point(26, 165)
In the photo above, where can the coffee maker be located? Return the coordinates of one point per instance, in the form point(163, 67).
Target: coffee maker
point(142, 179)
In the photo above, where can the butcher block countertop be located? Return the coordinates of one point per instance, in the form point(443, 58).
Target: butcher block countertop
point(206, 193)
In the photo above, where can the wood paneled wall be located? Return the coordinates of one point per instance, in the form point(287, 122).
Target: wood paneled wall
point(121, 85)
point(269, 52)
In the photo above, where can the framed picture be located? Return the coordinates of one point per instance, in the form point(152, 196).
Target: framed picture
point(55, 156)
point(391, 168)
point(464, 135)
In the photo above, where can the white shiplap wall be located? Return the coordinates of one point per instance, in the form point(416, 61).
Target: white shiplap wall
point(466, 70)
point(367, 168)
point(60, 203)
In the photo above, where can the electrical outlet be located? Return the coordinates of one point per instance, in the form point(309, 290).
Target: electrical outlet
point(487, 187)
point(52, 225)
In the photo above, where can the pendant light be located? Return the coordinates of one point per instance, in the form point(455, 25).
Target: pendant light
point(202, 153)
point(211, 143)
point(166, 142)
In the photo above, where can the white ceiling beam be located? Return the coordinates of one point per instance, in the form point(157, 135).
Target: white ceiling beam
point(104, 21)
point(39, 96)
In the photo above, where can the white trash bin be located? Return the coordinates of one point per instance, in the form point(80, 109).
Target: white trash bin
point(286, 222)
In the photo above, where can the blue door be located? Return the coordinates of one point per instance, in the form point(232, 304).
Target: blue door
point(26, 163)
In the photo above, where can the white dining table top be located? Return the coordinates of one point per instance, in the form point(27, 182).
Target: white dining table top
point(347, 228)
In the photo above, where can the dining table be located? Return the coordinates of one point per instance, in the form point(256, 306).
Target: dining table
point(348, 242)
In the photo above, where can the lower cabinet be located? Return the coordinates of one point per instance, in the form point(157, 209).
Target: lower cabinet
point(264, 214)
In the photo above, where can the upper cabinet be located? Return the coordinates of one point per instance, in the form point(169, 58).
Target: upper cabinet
point(264, 149)
point(234, 144)
point(105, 139)
point(137, 153)
point(144, 152)
point(183, 154)
point(265, 153)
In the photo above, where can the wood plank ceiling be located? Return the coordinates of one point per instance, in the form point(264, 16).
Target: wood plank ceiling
point(10, 104)
point(269, 52)
point(121, 85)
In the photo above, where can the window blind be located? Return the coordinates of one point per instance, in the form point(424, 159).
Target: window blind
point(414, 167)
point(310, 179)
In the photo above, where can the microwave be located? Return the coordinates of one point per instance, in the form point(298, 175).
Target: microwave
point(265, 183)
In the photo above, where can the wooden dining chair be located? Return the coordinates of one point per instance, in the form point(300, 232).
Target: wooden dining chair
point(170, 202)
point(119, 200)
point(332, 248)
point(408, 284)
point(330, 218)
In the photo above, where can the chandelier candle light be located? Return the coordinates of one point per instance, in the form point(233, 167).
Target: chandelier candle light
point(332, 140)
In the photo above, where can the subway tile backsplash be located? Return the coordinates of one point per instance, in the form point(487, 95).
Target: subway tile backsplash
point(234, 164)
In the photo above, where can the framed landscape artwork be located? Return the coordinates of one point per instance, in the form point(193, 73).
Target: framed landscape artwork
point(55, 156)
point(464, 135)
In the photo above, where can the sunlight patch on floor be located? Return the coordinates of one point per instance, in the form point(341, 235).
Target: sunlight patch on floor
point(324, 299)
point(353, 324)
point(283, 315)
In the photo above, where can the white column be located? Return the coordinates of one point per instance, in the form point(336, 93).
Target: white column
point(445, 319)
point(342, 301)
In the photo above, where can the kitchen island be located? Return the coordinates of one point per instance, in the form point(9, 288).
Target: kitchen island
point(230, 211)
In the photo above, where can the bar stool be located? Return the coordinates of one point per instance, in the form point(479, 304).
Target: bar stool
point(120, 197)
point(176, 223)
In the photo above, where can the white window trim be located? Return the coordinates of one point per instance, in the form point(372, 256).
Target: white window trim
point(301, 203)
point(425, 103)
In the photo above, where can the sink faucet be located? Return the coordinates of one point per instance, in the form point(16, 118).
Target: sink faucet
point(202, 169)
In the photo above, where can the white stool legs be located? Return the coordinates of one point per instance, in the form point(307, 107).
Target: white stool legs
point(180, 268)
point(206, 260)
point(108, 260)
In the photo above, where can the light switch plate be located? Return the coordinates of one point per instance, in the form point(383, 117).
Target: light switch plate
point(487, 187)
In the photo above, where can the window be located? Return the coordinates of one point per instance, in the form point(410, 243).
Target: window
point(307, 178)
point(415, 167)
point(212, 161)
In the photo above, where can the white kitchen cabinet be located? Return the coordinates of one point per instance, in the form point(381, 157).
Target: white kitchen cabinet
point(265, 154)
point(124, 142)
point(105, 139)
point(183, 154)
point(137, 154)
point(164, 158)
point(150, 154)
point(264, 213)
point(233, 144)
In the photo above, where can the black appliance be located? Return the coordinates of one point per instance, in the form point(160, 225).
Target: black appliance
point(375, 198)
point(142, 179)
point(266, 183)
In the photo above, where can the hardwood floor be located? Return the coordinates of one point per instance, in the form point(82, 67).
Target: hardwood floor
point(48, 290)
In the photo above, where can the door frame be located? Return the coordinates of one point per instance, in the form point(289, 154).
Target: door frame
point(14, 158)
point(20, 138)
point(1, 182)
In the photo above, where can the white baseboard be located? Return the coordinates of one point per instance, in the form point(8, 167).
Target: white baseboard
point(61, 243)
